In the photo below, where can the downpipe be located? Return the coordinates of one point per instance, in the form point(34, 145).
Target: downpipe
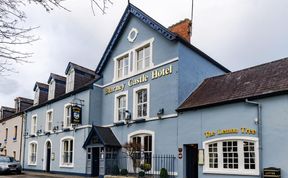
point(259, 130)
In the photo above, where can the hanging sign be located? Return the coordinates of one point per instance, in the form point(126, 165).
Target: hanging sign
point(76, 115)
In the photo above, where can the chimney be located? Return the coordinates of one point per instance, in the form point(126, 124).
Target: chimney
point(22, 103)
point(183, 29)
point(7, 112)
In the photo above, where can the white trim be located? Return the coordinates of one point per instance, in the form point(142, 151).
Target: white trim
point(152, 68)
point(142, 132)
point(52, 117)
point(240, 170)
point(132, 39)
point(29, 153)
point(60, 156)
point(147, 87)
point(116, 119)
point(32, 124)
point(162, 117)
point(45, 153)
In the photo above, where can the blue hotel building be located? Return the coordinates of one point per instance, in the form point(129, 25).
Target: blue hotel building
point(154, 88)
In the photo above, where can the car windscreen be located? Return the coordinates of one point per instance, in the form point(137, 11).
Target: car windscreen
point(4, 159)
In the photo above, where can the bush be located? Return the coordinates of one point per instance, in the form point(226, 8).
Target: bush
point(145, 167)
point(141, 174)
point(115, 170)
point(124, 172)
point(163, 173)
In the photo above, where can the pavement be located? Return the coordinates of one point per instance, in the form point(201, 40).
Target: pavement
point(28, 174)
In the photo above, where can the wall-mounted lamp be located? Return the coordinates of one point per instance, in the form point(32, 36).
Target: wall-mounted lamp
point(160, 113)
point(128, 117)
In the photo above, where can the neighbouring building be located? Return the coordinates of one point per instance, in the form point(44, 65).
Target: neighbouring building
point(11, 124)
point(59, 122)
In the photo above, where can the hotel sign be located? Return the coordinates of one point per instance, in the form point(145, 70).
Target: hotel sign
point(230, 131)
point(76, 115)
point(155, 74)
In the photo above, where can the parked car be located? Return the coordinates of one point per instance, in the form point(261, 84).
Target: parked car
point(9, 164)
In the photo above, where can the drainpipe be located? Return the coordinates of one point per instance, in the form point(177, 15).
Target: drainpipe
point(259, 128)
point(24, 124)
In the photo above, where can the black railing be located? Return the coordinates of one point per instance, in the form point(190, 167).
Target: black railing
point(153, 165)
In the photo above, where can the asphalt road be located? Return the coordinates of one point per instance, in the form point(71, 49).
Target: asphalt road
point(37, 175)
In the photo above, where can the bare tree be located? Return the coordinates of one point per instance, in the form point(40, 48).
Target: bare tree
point(133, 151)
point(14, 35)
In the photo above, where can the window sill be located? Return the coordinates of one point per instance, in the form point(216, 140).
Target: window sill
point(32, 135)
point(233, 172)
point(139, 120)
point(67, 129)
point(67, 166)
point(30, 164)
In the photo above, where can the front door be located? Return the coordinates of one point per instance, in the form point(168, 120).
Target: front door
point(48, 156)
point(192, 161)
point(95, 161)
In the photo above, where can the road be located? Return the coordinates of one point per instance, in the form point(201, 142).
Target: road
point(37, 175)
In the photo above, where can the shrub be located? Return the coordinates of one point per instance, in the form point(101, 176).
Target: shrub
point(141, 174)
point(163, 173)
point(115, 170)
point(145, 167)
point(124, 172)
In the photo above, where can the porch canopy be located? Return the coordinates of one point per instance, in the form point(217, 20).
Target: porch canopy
point(103, 136)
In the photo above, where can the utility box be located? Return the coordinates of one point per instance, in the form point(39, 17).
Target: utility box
point(272, 172)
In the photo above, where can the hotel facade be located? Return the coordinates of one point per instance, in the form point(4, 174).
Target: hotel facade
point(153, 88)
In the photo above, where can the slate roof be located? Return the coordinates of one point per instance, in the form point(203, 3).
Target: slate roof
point(56, 77)
point(79, 68)
point(105, 135)
point(132, 10)
point(256, 82)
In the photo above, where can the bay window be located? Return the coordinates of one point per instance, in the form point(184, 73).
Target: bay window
point(233, 155)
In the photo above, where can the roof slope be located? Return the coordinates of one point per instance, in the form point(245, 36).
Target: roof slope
point(259, 81)
point(132, 10)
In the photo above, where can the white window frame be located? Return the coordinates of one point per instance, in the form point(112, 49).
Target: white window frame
point(137, 133)
point(132, 60)
point(124, 57)
point(34, 124)
point(70, 80)
point(143, 60)
point(52, 87)
point(135, 90)
point(30, 152)
point(36, 96)
point(65, 116)
point(124, 93)
point(61, 164)
point(241, 170)
point(47, 120)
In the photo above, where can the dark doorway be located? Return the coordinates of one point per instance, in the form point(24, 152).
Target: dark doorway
point(48, 156)
point(95, 161)
point(192, 161)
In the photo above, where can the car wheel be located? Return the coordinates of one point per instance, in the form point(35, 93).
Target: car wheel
point(19, 172)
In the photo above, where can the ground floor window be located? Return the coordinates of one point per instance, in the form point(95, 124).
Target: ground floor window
point(233, 155)
point(32, 153)
point(144, 154)
point(67, 151)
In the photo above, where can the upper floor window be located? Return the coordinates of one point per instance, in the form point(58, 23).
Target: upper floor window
point(36, 96)
point(143, 58)
point(51, 93)
point(6, 134)
point(122, 67)
point(49, 120)
point(70, 80)
point(121, 105)
point(133, 61)
point(67, 116)
point(15, 132)
point(32, 153)
point(67, 151)
point(34, 125)
point(232, 156)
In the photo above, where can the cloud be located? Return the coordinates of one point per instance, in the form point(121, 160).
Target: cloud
point(8, 86)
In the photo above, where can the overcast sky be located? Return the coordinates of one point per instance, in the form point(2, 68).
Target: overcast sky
point(236, 33)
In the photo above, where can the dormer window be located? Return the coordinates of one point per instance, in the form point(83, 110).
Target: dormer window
point(36, 96)
point(51, 93)
point(70, 80)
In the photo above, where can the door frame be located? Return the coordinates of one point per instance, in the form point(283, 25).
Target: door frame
point(192, 146)
point(45, 154)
